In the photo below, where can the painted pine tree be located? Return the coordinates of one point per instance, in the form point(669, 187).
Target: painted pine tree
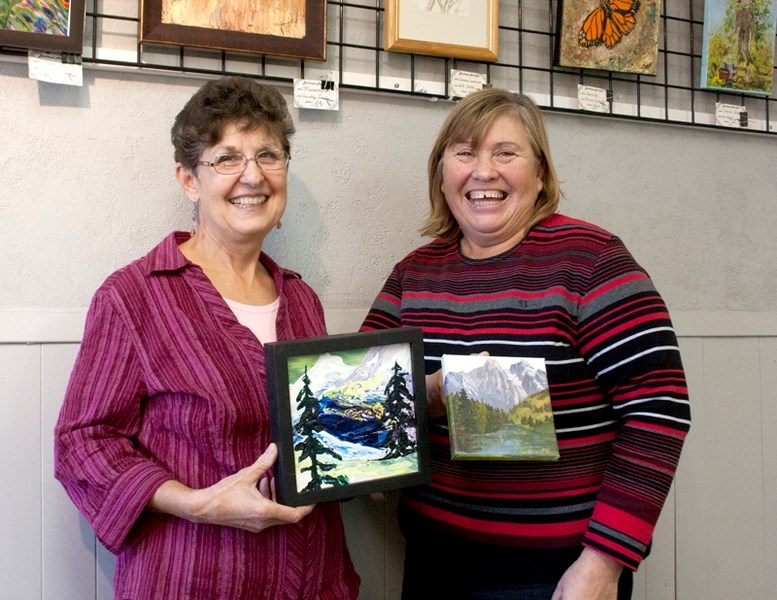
point(398, 416)
point(310, 446)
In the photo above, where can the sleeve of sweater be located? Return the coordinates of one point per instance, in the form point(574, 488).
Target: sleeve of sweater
point(95, 459)
point(627, 337)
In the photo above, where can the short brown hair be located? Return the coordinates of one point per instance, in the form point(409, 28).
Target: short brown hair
point(469, 121)
point(220, 102)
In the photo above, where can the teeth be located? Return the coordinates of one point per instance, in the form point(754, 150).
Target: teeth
point(256, 201)
point(492, 195)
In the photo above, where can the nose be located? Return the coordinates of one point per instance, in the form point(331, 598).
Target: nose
point(484, 166)
point(252, 172)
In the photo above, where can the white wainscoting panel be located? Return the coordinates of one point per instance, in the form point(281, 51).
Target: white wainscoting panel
point(20, 472)
point(68, 544)
point(716, 539)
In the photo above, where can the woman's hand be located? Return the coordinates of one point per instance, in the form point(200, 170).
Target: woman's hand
point(435, 404)
point(593, 576)
point(245, 500)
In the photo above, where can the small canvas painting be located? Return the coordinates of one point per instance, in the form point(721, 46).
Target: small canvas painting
point(611, 35)
point(348, 420)
point(738, 45)
point(498, 408)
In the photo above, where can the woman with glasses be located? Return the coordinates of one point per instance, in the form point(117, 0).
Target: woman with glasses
point(163, 440)
point(509, 276)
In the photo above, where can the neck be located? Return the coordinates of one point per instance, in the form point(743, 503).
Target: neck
point(235, 272)
point(479, 250)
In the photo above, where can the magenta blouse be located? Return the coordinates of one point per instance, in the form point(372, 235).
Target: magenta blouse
point(169, 386)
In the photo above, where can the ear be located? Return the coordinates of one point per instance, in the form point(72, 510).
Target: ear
point(188, 181)
point(540, 175)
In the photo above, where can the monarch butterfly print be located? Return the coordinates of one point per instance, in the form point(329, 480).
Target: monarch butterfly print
point(608, 23)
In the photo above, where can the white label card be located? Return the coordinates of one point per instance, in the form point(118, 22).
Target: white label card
point(51, 69)
point(316, 94)
point(729, 115)
point(464, 83)
point(593, 98)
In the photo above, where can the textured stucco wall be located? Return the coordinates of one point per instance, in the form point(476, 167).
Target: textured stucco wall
point(86, 184)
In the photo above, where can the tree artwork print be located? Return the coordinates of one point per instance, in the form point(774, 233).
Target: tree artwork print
point(353, 417)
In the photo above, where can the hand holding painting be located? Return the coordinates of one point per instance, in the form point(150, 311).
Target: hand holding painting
point(244, 500)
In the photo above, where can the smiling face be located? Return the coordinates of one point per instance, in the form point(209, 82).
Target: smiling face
point(237, 209)
point(491, 189)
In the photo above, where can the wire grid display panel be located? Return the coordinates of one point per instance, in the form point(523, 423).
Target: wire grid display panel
point(527, 40)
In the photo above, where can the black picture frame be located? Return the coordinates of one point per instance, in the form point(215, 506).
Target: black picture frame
point(348, 413)
point(155, 29)
point(72, 43)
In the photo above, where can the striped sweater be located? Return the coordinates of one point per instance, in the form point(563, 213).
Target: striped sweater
point(572, 294)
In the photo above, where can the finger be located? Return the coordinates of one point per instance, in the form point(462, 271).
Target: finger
point(264, 462)
point(304, 511)
point(264, 489)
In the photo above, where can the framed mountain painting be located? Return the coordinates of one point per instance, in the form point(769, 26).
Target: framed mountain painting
point(348, 413)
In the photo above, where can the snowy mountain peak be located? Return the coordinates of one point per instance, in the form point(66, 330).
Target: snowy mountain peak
point(496, 386)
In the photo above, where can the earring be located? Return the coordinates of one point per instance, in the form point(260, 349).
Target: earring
point(195, 216)
point(278, 225)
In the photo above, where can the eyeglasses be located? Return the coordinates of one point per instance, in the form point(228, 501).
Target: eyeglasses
point(235, 163)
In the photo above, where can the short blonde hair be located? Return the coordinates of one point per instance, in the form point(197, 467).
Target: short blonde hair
point(469, 121)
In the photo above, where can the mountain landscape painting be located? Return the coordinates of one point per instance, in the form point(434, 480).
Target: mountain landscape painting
point(498, 408)
point(345, 414)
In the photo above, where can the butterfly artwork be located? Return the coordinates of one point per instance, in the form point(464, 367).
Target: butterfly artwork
point(610, 35)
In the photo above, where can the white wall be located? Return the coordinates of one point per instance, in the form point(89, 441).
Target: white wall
point(86, 185)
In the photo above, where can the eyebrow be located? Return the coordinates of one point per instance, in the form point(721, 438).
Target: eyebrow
point(229, 149)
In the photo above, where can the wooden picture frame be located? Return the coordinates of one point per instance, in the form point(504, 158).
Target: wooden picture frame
point(63, 37)
point(240, 27)
point(348, 413)
point(467, 29)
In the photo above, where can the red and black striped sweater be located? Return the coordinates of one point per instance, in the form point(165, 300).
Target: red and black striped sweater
point(571, 293)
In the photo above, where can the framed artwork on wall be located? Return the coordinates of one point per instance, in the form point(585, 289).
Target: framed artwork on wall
point(293, 28)
point(610, 35)
point(467, 29)
point(738, 45)
point(348, 413)
point(53, 26)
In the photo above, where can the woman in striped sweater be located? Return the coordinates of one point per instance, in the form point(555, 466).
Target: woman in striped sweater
point(507, 275)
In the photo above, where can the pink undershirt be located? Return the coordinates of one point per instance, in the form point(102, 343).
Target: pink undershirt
point(259, 319)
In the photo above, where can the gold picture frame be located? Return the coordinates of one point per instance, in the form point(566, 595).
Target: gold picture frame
point(294, 28)
point(467, 29)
